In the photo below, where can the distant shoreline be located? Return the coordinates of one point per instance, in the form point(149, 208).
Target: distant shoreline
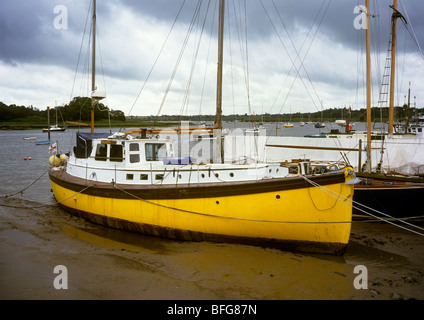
point(130, 124)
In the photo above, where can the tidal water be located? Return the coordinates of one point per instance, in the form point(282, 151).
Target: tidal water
point(36, 235)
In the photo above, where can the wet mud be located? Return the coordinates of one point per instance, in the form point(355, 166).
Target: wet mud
point(103, 263)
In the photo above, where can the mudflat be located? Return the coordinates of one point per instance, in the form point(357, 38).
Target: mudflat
point(103, 263)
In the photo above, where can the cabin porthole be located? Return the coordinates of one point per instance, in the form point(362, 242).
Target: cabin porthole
point(277, 197)
point(231, 174)
point(202, 175)
point(217, 202)
point(216, 175)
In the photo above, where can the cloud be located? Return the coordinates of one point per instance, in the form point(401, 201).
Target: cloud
point(131, 33)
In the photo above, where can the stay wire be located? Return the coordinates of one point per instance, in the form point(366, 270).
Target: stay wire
point(184, 105)
point(184, 45)
point(298, 52)
point(369, 208)
point(157, 57)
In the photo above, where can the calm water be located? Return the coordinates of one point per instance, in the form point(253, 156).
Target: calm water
point(200, 270)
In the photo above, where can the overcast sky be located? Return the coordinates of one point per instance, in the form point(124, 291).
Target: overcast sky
point(300, 56)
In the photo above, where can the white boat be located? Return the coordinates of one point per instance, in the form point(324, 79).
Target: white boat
point(54, 128)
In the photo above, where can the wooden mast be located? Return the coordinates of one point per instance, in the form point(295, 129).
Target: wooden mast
point(368, 47)
point(93, 67)
point(392, 68)
point(218, 115)
point(407, 109)
point(395, 15)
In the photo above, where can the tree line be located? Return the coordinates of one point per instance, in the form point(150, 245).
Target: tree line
point(79, 109)
point(332, 114)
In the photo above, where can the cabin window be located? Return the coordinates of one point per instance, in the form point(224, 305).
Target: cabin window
point(293, 170)
point(155, 151)
point(134, 158)
point(116, 153)
point(134, 147)
point(101, 152)
point(134, 154)
point(144, 176)
point(159, 177)
point(130, 176)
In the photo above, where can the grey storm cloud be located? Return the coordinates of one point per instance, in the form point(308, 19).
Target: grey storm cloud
point(131, 33)
point(27, 33)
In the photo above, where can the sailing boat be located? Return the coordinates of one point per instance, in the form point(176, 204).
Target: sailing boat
point(289, 124)
point(54, 128)
point(392, 193)
point(139, 184)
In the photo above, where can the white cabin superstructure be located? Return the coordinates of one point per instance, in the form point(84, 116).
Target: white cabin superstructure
point(123, 159)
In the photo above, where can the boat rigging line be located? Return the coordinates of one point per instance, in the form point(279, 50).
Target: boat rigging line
point(157, 57)
point(43, 205)
point(22, 191)
point(333, 194)
point(389, 220)
point(223, 217)
point(411, 29)
point(302, 66)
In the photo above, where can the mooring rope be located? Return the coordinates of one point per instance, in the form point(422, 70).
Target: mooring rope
point(389, 220)
point(354, 204)
point(22, 191)
point(43, 205)
point(226, 217)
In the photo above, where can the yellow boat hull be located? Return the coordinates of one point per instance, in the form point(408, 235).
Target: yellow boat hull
point(298, 217)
